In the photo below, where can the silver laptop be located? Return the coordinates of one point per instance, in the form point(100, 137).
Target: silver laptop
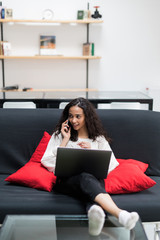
point(73, 161)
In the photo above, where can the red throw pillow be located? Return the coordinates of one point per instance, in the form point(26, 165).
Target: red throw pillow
point(143, 166)
point(33, 174)
point(128, 177)
point(41, 148)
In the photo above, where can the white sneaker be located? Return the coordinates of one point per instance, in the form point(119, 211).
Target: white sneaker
point(96, 217)
point(127, 219)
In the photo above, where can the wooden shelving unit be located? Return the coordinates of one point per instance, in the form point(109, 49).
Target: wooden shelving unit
point(85, 21)
point(54, 90)
point(50, 57)
point(39, 57)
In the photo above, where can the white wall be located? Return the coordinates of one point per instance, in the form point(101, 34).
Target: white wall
point(128, 41)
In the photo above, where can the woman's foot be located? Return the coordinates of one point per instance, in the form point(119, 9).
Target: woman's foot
point(96, 217)
point(127, 219)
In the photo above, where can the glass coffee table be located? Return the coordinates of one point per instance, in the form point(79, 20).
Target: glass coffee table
point(59, 227)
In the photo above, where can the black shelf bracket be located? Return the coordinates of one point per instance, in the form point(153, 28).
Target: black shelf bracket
point(2, 61)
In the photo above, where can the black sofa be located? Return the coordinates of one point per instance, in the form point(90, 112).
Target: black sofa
point(135, 134)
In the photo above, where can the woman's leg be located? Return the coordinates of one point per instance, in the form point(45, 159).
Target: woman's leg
point(86, 185)
point(96, 219)
point(95, 189)
point(127, 219)
point(106, 202)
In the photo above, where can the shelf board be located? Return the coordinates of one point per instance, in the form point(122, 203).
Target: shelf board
point(50, 57)
point(54, 90)
point(50, 21)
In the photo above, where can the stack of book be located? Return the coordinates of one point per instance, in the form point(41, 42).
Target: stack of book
point(88, 49)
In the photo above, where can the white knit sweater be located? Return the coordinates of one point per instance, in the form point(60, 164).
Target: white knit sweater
point(49, 158)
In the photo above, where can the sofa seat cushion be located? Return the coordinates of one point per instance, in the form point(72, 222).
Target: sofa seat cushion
point(17, 199)
point(146, 203)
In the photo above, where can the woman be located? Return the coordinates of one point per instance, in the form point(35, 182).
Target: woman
point(80, 127)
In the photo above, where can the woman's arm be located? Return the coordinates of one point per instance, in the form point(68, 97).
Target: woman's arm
point(49, 158)
point(66, 134)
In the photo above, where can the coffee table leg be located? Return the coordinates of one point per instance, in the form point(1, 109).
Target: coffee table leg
point(157, 232)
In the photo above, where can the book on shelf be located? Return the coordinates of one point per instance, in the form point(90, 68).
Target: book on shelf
point(88, 49)
point(83, 14)
point(80, 14)
point(1, 48)
point(5, 48)
point(8, 13)
point(47, 45)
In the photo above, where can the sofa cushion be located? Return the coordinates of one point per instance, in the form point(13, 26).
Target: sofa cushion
point(15, 199)
point(21, 130)
point(33, 174)
point(142, 166)
point(146, 202)
point(128, 177)
point(38, 154)
point(135, 134)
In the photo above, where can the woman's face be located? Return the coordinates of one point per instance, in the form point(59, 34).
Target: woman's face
point(77, 118)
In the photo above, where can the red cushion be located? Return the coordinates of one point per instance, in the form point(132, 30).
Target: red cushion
point(41, 148)
point(33, 174)
point(143, 166)
point(128, 177)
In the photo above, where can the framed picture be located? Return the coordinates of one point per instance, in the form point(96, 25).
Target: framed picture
point(47, 45)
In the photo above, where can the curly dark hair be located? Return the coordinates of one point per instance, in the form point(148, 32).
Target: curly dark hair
point(93, 123)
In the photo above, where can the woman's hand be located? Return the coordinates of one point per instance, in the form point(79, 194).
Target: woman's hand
point(84, 145)
point(66, 130)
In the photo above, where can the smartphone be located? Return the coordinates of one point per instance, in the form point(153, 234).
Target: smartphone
point(69, 124)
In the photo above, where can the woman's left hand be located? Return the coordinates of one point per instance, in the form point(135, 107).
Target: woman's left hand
point(84, 144)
